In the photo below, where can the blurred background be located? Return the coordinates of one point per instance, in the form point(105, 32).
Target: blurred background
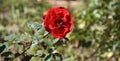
point(95, 37)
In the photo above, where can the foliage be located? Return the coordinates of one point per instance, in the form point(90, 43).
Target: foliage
point(95, 36)
point(98, 27)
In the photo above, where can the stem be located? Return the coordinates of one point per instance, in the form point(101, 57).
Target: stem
point(45, 35)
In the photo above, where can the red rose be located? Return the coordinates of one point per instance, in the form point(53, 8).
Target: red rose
point(58, 22)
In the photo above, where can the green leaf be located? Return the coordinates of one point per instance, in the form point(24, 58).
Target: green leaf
point(2, 47)
point(26, 57)
point(48, 42)
point(36, 59)
point(17, 54)
point(22, 37)
point(8, 55)
point(33, 49)
point(55, 40)
point(39, 53)
point(57, 57)
point(64, 40)
point(50, 50)
point(10, 37)
point(40, 32)
point(34, 39)
point(48, 57)
point(34, 26)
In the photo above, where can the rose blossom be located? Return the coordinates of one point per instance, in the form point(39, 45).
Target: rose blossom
point(58, 22)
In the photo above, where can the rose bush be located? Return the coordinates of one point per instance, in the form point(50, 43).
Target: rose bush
point(58, 22)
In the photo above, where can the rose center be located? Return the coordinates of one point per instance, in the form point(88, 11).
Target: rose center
point(59, 23)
